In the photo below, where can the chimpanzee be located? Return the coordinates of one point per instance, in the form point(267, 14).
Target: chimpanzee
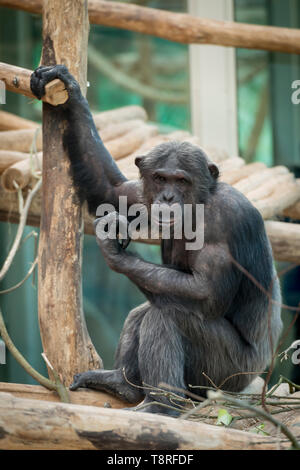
point(204, 316)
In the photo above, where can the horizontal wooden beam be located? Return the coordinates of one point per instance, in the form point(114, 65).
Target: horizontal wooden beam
point(80, 397)
point(181, 27)
point(17, 79)
point(285, 240)
point(9, 122)
point(284, 237)
point(36, 424)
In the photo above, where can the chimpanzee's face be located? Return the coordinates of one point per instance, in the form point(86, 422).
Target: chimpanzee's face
point(176, 173)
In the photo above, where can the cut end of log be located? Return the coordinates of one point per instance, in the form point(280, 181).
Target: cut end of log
point(56, 93)
point(12, 178)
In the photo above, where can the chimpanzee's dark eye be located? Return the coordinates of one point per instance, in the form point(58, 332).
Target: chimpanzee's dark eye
point(182, 181)
point(159, 178)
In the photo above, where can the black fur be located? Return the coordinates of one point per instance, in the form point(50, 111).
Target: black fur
point(203, 314)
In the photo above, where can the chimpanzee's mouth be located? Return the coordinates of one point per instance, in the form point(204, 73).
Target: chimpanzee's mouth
point(163, 222)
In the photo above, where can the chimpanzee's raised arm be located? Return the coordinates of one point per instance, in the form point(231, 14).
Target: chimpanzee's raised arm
point(95, 173)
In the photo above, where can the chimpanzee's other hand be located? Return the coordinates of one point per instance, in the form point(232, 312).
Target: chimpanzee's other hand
point(46, 74)
point(112, 237)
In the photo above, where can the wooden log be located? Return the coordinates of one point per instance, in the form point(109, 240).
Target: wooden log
point(285, 240)
point(12, 122)
point(253, 181)
point(116, 130)
point(115, 116)
point(21, 140)
point(80, 397)
point(181, 27)
point(266, 189)
point(128, 168)
point(216, 154)
point(64, 335)
point(128, 143)
point(230, 164)
point(278, 200)
point(21, 172)
point(293, 211)
point(281, 237)
point(9, 157)
point(17, 79)
point(36, 424)
point(233, 176)
point(147, 146)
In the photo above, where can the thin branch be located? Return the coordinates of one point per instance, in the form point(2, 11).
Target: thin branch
point(105, 66)
point(23, 218)
point(11, 289)
point(20, 358)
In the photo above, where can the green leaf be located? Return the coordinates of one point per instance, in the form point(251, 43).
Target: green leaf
point(224, 418)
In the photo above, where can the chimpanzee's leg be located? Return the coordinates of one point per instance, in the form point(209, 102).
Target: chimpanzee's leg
point(161, 358)
point(118, 381)
point(215, 349)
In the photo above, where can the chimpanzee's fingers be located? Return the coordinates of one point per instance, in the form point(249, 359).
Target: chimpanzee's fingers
point(37, 86)
point(125, 242)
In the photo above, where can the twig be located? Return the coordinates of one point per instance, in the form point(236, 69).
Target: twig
point(11, 289)
point(60, 388)
point(219, 397)
point(23, 218)
point(105, 66)
point(20, 358)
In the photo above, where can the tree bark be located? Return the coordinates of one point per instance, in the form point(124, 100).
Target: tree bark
point(35, 424)
point(63, 330)
point(181, 27)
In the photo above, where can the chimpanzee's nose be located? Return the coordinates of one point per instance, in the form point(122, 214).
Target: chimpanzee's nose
point(168, 197)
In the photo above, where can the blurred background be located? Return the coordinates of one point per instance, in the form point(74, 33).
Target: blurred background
point(171, 82)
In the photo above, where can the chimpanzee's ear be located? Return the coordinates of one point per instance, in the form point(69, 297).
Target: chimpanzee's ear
point(137, 161)
point(214, 170)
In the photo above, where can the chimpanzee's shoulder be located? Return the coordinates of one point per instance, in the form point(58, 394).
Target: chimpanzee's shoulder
point(235, 206)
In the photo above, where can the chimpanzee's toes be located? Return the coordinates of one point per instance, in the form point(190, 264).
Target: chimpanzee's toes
point(78, 381)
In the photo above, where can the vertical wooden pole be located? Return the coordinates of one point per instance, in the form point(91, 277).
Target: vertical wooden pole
point(63, 330)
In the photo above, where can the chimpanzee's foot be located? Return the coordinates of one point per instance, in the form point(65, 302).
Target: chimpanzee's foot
point(45, 74)
point(110, 381)
point(154, 407)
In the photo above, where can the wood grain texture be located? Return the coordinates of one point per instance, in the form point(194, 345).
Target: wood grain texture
point(63, 330)
point(36, 424)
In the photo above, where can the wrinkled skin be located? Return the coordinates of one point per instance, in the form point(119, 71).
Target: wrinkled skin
point(202, 313)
